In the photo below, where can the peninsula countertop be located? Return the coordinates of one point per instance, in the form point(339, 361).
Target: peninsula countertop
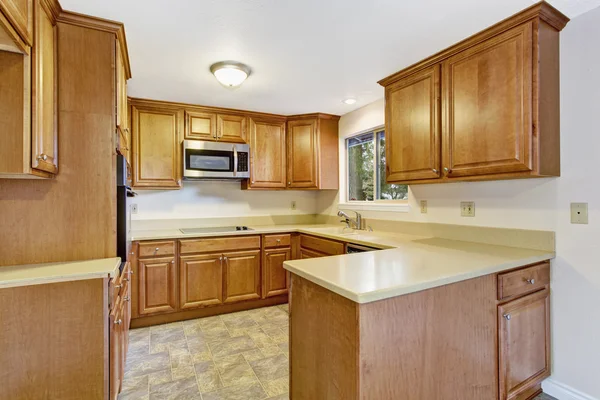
point(37, 274)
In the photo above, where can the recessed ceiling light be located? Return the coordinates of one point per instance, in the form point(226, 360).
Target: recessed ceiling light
point(230, 73)
point(349, 101)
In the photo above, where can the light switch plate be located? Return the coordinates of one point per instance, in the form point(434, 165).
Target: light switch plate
point(467, 208)
point(423, 204)
point(579, 213)
point(134, 208)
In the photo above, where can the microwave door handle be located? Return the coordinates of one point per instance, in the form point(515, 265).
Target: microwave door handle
point(235, 160)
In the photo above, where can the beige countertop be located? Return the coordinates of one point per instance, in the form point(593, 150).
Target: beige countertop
point(37, 274)
point(406, 263)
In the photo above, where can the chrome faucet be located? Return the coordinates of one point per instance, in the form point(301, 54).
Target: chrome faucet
point(357, 222)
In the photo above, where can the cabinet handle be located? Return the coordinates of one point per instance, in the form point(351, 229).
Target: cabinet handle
point(530, 281)
point(132, 253)
point(252, 181)
point(506, 317)
point(118, 322)
point(447, 170)
point(156, 250)
point(126, 279)
point(130, 272)
point(172, 261)
point(435, 171)
point(127, 298)
point(289, 183)
point(42, 157)
point(278, 240)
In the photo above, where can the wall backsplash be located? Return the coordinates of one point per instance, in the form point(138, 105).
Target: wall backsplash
point(202, 199)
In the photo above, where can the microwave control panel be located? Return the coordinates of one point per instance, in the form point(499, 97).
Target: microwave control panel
point(242, 162)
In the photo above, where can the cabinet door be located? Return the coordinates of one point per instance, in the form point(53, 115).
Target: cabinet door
point(200, 125)
point(488, 125)
point(201, 281)
point(231, 128)
point(267, 154)
point(156, 147)
point(122, 117)
point(524, 340)
point(302, 154)
point(242, 276)
point(157, 285)
point(412, 132)
point(44, 136)
point(274, 276)
point(306, 253)
point(20, 14)
point(116, 349)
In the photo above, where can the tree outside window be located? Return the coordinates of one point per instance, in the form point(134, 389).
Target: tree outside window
point(366, 169)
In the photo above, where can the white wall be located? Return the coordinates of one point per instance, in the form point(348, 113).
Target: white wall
point(219, 199)
point(541, 204)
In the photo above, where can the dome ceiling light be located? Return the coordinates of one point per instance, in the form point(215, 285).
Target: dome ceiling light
point(230, 73)
point(349, 101)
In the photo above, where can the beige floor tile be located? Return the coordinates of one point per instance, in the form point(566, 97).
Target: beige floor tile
point(235, 370)
point(270, 351)
point(158, 377)
point(208, 376)
point(270, 368)
point(253, 391)
point(183, 389)
point(276, 387)
point(230, 346)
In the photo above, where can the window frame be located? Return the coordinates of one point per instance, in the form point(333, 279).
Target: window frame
point(375, 204)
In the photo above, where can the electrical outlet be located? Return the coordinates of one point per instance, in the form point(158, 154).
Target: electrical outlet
point(579, 213)
point(423, 206)
point(293, 205)
point(134, 209)
point(467, 208)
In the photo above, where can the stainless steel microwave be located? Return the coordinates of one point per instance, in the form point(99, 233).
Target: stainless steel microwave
point(215, 160)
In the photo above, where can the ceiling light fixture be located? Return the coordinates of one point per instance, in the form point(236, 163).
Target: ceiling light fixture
point(349, 101)
point(230, 73)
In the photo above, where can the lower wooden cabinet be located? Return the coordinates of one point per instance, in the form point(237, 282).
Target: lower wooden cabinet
point(275, 280)
point(116, 348)
point(200, 281)
point(157, 285)
point(306, 253)
point(242, 276)
point(524, 340)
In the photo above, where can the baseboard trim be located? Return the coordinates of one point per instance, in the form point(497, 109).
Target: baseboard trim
point(563, 392)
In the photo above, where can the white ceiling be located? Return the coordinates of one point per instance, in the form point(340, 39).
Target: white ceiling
point(306, 55)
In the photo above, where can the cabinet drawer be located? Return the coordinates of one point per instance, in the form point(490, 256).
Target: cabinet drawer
point(157, 249)
point(325, 246)
point(214, 245)
point(523, 281)
point(278, 240)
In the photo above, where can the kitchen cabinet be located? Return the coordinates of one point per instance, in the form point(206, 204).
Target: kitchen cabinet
point(157, 284)
point(413, 142)
point(306, 253)
point(20, 13)
point(275, 280)
point(321, 245)
point(156, 137)
point(231, 128)
point(268, 157)
point(488, 106)
point(116, 337)
point(123, 130)
point(312, 152)
point(201, 281)
point(242, 279)
point(200, 125)
point(524, 344)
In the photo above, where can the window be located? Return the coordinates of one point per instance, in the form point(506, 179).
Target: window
point(366, 169)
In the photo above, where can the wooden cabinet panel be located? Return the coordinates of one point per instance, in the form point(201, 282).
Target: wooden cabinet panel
point(268, 159)
point(412, 132)
point(156, 146)
point(522, 281)
point(306, 253)
point(231, 128)
point(157, 249)
point(200, 125)
point(302, 154)
point(275, 281)
point(242, 276)
point(488, 120)
point(157, 285)
point(325, 246)
point(278, 240)
point(116, 349)
point(221, 244)
point(20, 14)
point(201, 281)
point(524, 340)
point(44, 133)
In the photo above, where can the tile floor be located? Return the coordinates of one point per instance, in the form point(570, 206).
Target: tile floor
point(239, 356)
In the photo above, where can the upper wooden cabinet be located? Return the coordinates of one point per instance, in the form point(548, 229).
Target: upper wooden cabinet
point(268, 159)
point(231, 128)
point(499, 106)
point(412, 114)
point(20, 14)
point(156, 137)
point(203, 124)
point(124, 132)
point(312, 152)
point(200, 125)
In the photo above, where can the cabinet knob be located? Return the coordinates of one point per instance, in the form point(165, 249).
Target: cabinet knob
point(221, 258)
point(289, 183)
point(156, 249)
point(435, 171)
point(446, 169)
point(126, 279)
point(172, 261)
point(118, 322)
point(118, 286)
point(132, 253)
point(252, 181)
point(531, 281)
point(506, 317)
point(278, 240)
point(131, 272)
point(42, 157)
point(127, 298)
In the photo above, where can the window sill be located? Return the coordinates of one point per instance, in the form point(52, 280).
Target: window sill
point(360, 206)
